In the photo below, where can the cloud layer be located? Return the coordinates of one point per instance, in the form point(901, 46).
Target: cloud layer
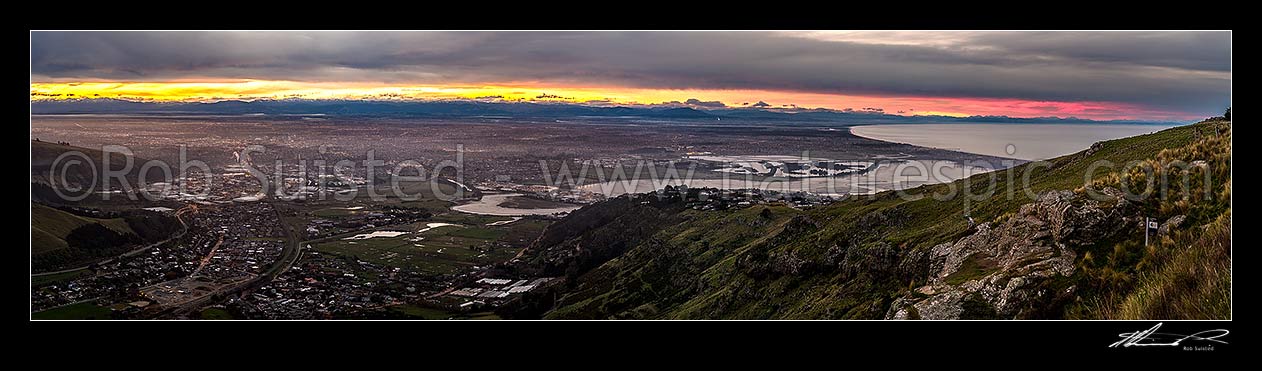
point(1167, 71)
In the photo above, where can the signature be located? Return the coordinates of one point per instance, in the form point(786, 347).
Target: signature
point(1152, 338)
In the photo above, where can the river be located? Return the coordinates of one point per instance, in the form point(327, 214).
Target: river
point(490, 205)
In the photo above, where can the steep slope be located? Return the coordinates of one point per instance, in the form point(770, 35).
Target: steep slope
point(1055, 249)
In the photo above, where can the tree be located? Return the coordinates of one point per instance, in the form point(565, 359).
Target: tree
point(1227, 115)
point(98, 239)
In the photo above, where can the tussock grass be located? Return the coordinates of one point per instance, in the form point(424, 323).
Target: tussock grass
point(1187, 274)
point(1195, 283)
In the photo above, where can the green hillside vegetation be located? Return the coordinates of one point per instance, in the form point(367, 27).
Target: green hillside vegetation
point(1187, 273)
point(80, 311)
point(61, 239)
point(852, 259)
point(49, 227)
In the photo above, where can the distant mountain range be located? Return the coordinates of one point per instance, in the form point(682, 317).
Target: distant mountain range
point(474, 108)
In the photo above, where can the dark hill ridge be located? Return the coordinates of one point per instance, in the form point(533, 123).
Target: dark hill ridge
point(69, 177)
point(45, 154)
point(453, 108)
point(1059, 255)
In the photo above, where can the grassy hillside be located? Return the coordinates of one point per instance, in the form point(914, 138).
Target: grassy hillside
point(1185, 273)
point(63, 239)
point(859, 257)
point(80, 311)
point(49, 227)
point(930, 221)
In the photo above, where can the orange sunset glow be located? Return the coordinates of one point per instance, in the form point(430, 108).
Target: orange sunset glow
point(899, 105)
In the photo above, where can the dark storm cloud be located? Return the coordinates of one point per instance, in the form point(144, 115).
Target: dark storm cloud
point(1208, 51)
point(1180, 71)
point(704, 103)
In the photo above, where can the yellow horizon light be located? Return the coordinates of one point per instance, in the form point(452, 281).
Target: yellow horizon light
point(532, 91)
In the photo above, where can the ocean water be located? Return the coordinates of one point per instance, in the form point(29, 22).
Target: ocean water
point(1019, 141)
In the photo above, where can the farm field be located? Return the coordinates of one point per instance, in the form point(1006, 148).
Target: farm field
point(444, 245)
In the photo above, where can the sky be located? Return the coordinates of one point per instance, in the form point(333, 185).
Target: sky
point(1179, 76)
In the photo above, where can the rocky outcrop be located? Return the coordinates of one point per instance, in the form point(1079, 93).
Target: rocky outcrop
point(1010, 269)
point(1171, 224)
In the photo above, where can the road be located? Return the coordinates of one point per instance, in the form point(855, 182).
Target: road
point(287, 258)
point(207, 258)
point(292, 250)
